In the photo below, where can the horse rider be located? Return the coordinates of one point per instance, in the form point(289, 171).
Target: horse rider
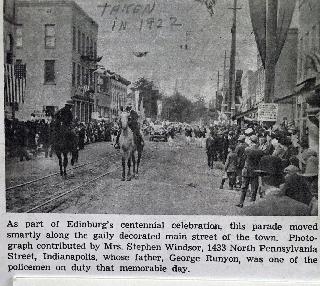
point(133, 125)
point(64, 118)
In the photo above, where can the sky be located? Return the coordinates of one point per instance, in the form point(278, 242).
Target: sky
point(153, 29)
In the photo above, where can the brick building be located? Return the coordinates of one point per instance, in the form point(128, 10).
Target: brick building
point(59, 46)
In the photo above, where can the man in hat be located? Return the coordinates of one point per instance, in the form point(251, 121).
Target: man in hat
point(134, 126)
point(240, 148)
point(64, 115)
point(276, 202)
point(252, 156)
point(311, 176)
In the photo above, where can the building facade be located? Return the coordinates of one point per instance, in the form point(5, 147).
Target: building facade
point(110, 94)
point(285, 82)
point(9, 30)
point(59, 46)
point(308, 73)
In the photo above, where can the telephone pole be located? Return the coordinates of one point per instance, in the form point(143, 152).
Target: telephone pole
point(232, 70)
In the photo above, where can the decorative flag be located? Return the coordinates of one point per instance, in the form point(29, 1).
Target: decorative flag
point(14, 82)
point(258, 15)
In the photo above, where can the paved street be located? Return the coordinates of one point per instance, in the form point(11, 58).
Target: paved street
point(174, 179)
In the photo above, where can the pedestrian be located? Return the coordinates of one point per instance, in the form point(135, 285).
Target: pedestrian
point(240, 148)
point(230, 168)
point(252, 161)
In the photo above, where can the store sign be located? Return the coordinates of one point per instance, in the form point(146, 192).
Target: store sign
point(267, 112)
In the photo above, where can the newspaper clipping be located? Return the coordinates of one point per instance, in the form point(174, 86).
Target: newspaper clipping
point(155, 139)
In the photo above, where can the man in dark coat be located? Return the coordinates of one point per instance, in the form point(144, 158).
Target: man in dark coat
point(134, 125)
point(64, 115)
point(252, 163)
point(64, 119)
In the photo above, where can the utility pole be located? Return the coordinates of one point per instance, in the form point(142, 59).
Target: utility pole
point(224, 87)
point(232, 70)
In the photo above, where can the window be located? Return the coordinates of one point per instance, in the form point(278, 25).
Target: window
point(49, 72)
point(314, 38)
point(78, 75)
point(83, 76)
point(73, 74)
point(91, 48)
point(87, 47)
point(19, 36)
point(83, 45)
point(50, 36)
point(79, 42)
point(74, 39)
point(95, 50)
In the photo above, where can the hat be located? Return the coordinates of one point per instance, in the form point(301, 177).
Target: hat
point(254, 138)
point(248, 131)
point(270, 165)
point(306, 154)
point(241, 138)
point(311, 167)
point(291, 169)
point(69, 102)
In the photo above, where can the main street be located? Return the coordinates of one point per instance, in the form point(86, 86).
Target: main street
point(173, 179)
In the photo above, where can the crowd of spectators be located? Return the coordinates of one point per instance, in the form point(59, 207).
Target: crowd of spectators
point(27, 139)
point(275, 162)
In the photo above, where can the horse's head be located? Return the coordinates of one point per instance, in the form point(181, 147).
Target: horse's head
point(124, 120)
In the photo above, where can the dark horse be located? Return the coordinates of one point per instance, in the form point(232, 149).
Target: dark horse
point(64, 141)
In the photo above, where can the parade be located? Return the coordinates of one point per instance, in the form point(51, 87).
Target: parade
point(124, 113)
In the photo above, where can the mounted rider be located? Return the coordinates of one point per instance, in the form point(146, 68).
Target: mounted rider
point(63, 119)
point(133, 125)
point(64, 116)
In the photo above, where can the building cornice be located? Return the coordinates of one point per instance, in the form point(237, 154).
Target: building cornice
point(72, 4)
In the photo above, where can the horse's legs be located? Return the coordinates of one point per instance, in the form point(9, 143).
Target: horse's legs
point(65, 163)
point(123, 168)
point(129, 167)
point(60, 162)
point(133, 164)
point(138, 161)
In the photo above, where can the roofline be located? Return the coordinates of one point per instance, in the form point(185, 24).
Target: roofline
point(23, 3)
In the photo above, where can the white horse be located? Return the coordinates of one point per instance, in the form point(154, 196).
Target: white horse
point(128, 147)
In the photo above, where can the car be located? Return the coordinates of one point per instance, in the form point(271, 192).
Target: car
point(158, 133)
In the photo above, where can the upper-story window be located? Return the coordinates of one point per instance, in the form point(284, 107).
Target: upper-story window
point(49, 72)
point(74, 39)
point(79, 42)
point(83, 45)
point(95, 49)
point(19, 37)
point(50, 36)
point(87, 47)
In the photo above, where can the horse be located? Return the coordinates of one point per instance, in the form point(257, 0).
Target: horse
point(64, 141)
point(129, 148)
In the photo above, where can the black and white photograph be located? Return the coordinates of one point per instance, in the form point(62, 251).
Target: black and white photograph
point(156, 107)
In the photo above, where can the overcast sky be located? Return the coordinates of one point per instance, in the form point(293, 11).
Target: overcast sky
point(194, 69)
